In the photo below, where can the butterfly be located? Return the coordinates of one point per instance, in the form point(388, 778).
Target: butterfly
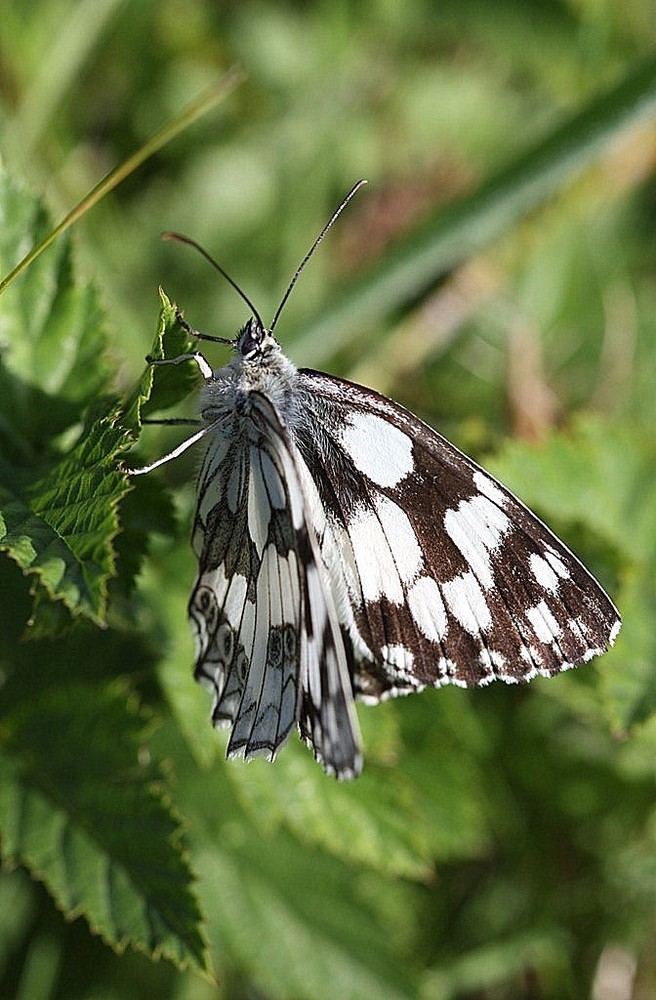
point(347, 550)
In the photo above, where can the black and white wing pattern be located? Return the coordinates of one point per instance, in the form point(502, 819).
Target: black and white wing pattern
point(269, 644)
point(444, 575)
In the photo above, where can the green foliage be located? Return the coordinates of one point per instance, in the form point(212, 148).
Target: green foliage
point(78, 806)
point(499, 841)
point(93, 822)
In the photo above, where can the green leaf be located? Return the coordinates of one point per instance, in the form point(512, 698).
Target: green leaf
point(163, 386)
point(146, 511)
point(17, 907)
point(400, 816)
point(60, 485)
point(82, 806)
point(298, 921)
point(51, 338)
point(165, 586)
point(58, 521)
point(171, 383)
point(58, 496)
point(366, 823)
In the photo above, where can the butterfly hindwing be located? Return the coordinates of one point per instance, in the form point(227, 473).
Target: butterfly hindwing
point(222, 602)
point(269, 643)
point(450, 578)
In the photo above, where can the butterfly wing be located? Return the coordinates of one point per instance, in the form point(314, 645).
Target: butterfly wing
point(448, 577)
point(269, 644)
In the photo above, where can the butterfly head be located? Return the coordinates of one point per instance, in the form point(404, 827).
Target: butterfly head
point(254, 342)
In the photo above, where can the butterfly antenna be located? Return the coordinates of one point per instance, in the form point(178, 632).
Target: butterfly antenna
point(179, 238)
point(338, 211)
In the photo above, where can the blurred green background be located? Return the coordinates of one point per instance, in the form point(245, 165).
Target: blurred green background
point(497, 276)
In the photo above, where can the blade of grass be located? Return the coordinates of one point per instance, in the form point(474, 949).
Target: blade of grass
point(199, 106)
point(452, 235)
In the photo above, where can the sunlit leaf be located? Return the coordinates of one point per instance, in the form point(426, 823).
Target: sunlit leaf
point(84, 809)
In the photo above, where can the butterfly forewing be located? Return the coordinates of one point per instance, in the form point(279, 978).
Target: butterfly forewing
point(450, 578)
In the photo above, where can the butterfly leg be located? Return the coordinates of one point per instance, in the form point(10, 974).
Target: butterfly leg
point(172, 421)
point(204, 366)
point(197, 334)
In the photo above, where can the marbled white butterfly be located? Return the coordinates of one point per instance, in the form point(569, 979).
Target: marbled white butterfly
point(347, 550)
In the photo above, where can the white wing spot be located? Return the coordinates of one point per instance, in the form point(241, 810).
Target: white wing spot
point(477, 527)
point(398, 657)
point(400, 662)
point(544, 573)
point(530, 655)
point(614, 632)
point(215, 455)
point(376, 568)
point(427, 608)
point(579, 625)
point(233, 592)
point(492, 659)
point(315, 506)
point(489, 489)
point(447, 673)
point(377, 448)
point(544, 624)
point(557, 564)
point(401, 538)
point(467, 603)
